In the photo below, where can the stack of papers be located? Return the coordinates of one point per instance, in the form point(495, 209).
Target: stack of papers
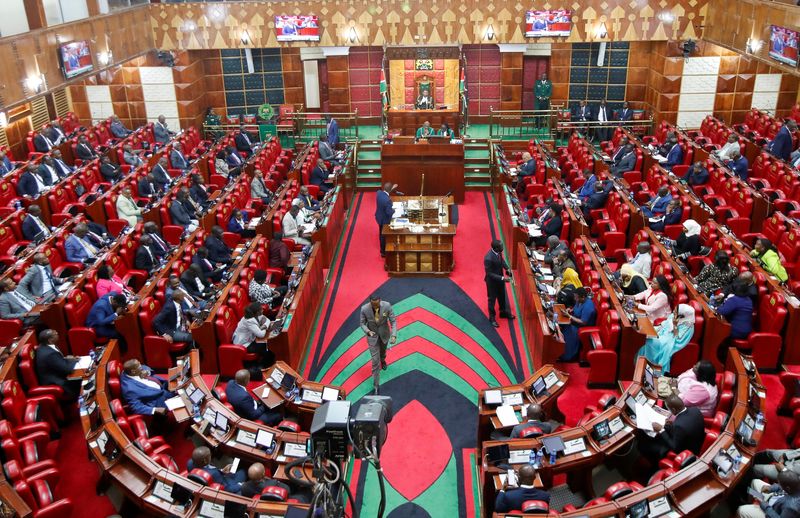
point(507, 416)
point(84, 362)
point(174, 403)
point(646, 416)
point(534, 230)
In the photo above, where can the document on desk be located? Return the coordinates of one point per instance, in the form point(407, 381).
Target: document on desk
point(519, 456)
point(646, 416)
point(538, 255)
point(512, 399)
point(292, 449)
point(84, 362)
point(534, 230)
point(507, 415)
point(174, 403)
point(246, 438)
point(309, 228)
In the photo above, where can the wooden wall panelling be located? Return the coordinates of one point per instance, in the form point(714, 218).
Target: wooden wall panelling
point(511, 81)
point(339, 83)
point(215, 25)
point(189, 88)
point(293, 82)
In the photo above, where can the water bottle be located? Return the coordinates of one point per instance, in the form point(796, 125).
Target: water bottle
point(92, 355)
point(552, 458)
point(196, 414)
point(539, 457)
point(81, 403)
point(737, 462)
point(532, 457)
point(759, 421)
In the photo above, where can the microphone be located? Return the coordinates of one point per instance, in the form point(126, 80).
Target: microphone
point(399, 193)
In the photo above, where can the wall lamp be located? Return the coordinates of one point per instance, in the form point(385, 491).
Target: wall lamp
point(245, 37)
point(352, 35)
point(754, 45)
point(3, 119)
point(490, 32)
point(602, 31)
point(666, 17)
point(35, 83)
point(104, 58)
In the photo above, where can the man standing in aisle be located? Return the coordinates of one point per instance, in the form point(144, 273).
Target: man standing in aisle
point(494, 265)
point(384, 211)
point(376, 318)
point(543, 91)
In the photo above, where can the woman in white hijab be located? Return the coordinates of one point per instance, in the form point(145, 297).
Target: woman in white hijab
point(673, 335)
point(688, 242)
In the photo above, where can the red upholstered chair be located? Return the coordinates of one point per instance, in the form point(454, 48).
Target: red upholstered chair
point(274, 494)
point(535, 507)
point(157, 349)
point(621, 489)
point(38, 491)
point(531, 431)
point(767, 343)
point(231, 356)
point(660, 476)
point(288, 426)
point(717, 422)
point(9, 330)
point(166, 461)
point(677, 461)
point(790, 379)
point(711, 437)
point(113, 372)
point(28, 415)
point(601, 345)
point(30, 451)
point(204, 478)
point(81, 338)
point(27, 370)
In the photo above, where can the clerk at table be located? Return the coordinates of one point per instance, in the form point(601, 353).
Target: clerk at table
point(245, 404)
point(425, 131)
point(144, 393)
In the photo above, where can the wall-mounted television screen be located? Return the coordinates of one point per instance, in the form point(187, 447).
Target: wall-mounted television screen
point(297, 28)
point(783, 45)
point(76, 58)
point(548, 23)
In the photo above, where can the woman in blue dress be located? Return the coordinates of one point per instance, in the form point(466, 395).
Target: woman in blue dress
point(673, 335)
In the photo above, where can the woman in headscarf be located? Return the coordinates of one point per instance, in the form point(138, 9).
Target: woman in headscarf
point(673, 335)
point(633, 282)
point(718, 275)
point(566, 287)
point(655, 301)
point(688, 242)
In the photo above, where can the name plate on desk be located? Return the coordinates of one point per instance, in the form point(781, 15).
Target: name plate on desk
point(312, 396)
point(292, 449)
point(512, 399)
point(212, 510)
point(551, 379)
point(246, 438)
point(163, 491)
point(574, 446)
point(519, 456)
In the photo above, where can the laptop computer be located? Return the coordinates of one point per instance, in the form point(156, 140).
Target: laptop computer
point(553, 444)
point(288, 381)
point(499, 453)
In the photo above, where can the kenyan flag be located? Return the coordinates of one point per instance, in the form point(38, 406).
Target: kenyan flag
point(384, 94)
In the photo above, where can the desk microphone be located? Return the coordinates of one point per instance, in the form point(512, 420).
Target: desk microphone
point(399, 193)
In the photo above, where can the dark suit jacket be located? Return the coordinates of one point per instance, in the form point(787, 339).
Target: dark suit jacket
point(161, 176)
point(198, 194)
point(582, 114)
point(517, 430)
point(110, 172)
point(625, 115)
point(242, 402)
point(235, 227)
point(83, 153)
point(146, 188)
point(674, 156)
point(319, 177)
point(44, 174)
point(596, 200)
point(670, 218)
point(143, 260)
point(101, 314)
point(166, 322)
point(40, 144)
point(180, 215)
point(218, 251)
point(626, 163)
point(242, 144)
point(51, 366)
point(782, 144)
point(157, 248)
point(686, 432)
point(552, 226)
point(232, 161)
point(208, 271)
point(700, 178)
point(512, 499)
point(740, 167)
point(30, 229)
point(188, 283)
point(383, 208)
point(493, 266)
point(26, 185)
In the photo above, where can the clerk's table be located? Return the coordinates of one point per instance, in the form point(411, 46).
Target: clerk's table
point(404, 162)
point(419, 239)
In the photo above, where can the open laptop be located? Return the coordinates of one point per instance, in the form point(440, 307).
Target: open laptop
point(497, 454)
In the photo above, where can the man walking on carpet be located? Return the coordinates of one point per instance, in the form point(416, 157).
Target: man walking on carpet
point(376, 318)
point(494, 265)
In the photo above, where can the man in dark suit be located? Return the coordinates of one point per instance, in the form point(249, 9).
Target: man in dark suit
point(160, 174)
point(178, 159)
point(626, 162)
point(602, 115)
point(42, 142)
point(697, 174)
point(62, 169)
point(384, 211)
point(181, 212)
point(211, 269)
point(147, 186)
point(118, 129)
point(596, 201)
point(146, 258)
point(170, 323)
point(625, 114)
point(144, 393)
point(319, 177)
point(233, 158)
point(582, 112)
point(30, 184)
point(198, 191)
point(739, 165)
point(48, 172)
point(535, 415)
point(257, 480)
point(512, 499)
point(243, 141)
point(110, 171)
point(685, 432)
point(161, 131)
point(671, 217)
point(326, 151)
point(33, 226)
point(104, 312)
point(160, 247)
point(245, 404)
point(675, 154)
point(658, 203)
point(551, 225)
point(84, 149)
point(6, 165)
point(494, 265)
point(52, 367)
point(218, 251)
point(195, 282)
point(201, 459)
point(57, 133)
point(781, 145)
point(309, 203)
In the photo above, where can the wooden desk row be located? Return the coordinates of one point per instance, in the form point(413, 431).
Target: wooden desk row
point(690, 492)
point(146, 483)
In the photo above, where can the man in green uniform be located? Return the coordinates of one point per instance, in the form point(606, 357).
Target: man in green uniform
point(543, 91)
point(425, 131)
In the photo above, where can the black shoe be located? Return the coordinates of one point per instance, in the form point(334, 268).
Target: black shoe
point(508, 316)
point(494, 323)
point(375, 391)
point(384, 366)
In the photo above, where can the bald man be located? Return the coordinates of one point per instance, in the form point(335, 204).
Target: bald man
point(535, 419)
point(685, 432)
point(512, 499)
point(201, 459)
point(245, 404)
point(257, 480)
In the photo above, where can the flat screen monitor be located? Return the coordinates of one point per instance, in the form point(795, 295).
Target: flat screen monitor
point(264, 438)
point(638, 510)
point(235, 509)
point(196, 397)
point(649, 379)
point(783, 45)
point(539, 386)
point(548, 23)
point(221, 422)
point(499, 453)
point(297, 28)
point(288, 381)
point(630, 402)
point(180, 494)
point(76, 58)
point(602, 430)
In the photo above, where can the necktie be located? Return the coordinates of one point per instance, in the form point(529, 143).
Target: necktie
point(208, 263)
point(179, 321)
point(159, 241)
point(39, 182)
point(90, 248)
point(149, 253)
point(377, 314)
point(50, 278)
point(41, 226)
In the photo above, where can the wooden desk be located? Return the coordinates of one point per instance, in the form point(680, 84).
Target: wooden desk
point(442, 165)
point(301, 408)
point(330, 231)
point(409, 121)
point(512, 230)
